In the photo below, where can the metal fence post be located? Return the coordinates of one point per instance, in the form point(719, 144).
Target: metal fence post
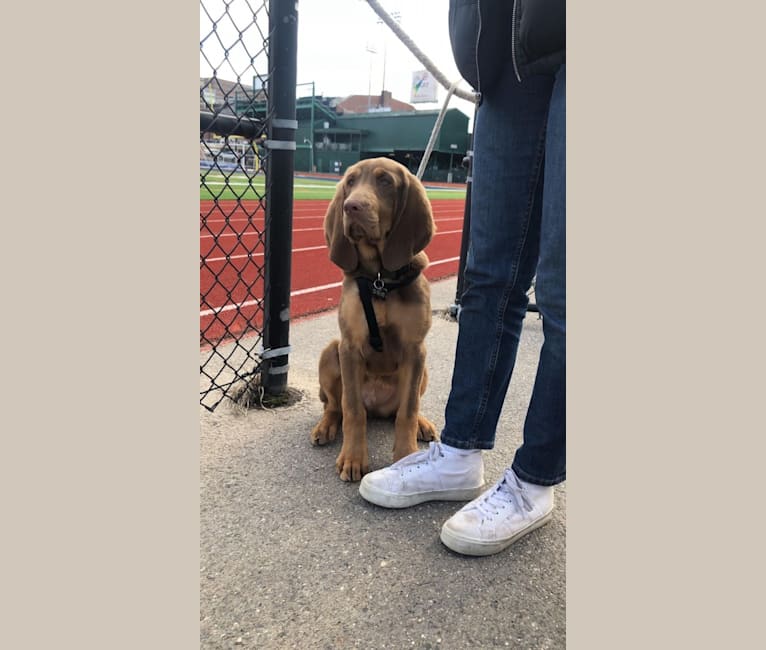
point(283, 30)
point(465, 238)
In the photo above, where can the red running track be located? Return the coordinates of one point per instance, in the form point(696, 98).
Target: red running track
point(231, 261)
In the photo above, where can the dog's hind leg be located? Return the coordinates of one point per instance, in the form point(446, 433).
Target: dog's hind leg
point(426, 429)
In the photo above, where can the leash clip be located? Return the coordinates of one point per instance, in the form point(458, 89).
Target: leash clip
point(379, 287)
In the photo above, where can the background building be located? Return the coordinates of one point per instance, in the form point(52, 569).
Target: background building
point(342, 138)
point(335, 132)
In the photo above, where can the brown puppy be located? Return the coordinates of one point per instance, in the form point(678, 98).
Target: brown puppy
point(376, 228)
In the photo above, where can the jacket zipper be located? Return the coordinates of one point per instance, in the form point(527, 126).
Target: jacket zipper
point(513, 42)
point(476, 51)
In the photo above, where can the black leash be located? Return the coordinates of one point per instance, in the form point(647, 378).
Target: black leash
point(365, 293)
point(379, 288)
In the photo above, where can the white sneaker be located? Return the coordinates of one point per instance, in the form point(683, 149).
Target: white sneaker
point(507, 511)
point(428, 475)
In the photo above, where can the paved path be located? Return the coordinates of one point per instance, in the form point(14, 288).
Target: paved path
point(291, 557)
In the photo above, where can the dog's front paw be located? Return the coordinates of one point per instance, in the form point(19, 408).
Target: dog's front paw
point(326, 430)
point(352, 466)
point(426, 430)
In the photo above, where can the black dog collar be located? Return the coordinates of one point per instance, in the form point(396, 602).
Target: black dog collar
point(379, 288)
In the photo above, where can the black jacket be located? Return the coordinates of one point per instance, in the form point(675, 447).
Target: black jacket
point(486, 34)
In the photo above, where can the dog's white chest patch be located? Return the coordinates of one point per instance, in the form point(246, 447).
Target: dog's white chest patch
point(376, 393)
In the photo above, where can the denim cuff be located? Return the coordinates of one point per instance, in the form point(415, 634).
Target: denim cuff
point(536, 480)
point(461, 443)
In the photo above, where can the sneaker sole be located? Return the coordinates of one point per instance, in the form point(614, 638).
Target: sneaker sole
point(478, 547)
point(391, 500)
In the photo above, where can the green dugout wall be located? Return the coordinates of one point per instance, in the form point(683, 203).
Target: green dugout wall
point(341, 140)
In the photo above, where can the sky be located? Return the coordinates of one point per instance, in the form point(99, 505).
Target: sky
point(334, 37)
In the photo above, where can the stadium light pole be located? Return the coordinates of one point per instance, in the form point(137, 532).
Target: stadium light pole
point(311, 128)
point(370, 50)
point(311, 153)
point(397, 16)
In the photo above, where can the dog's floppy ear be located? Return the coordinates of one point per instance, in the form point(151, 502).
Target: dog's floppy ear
point(342, 251)
point(413, 225)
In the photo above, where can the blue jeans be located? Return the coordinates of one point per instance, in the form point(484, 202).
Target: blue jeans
point(518, 224)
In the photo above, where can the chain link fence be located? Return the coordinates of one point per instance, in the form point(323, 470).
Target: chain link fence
point(247, 68)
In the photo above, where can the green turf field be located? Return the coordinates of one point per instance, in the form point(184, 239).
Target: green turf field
point(214, 185)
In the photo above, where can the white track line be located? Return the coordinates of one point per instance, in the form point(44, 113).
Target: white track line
point(241, 234)
point(297, 292)
point(319, 217)
point(251, 255)
point(297, 250)
point(449, 259)
point(327, 186)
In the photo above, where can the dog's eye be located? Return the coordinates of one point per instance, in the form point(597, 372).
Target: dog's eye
point(384, 180)
point(350, 181)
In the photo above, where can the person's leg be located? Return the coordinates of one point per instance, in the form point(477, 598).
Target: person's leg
point(509, 149)
point(522, 500)
point(509, 145)
point(542, 457)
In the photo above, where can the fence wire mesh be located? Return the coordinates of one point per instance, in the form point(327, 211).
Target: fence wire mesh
point(234, 117)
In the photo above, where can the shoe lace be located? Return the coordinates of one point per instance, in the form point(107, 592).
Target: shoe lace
point(426, 456)
point(507, 492)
